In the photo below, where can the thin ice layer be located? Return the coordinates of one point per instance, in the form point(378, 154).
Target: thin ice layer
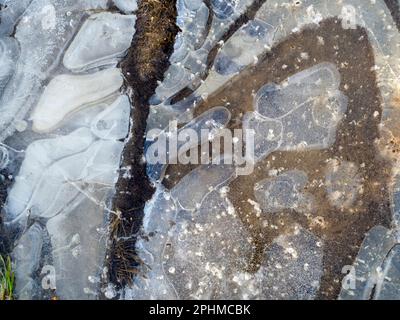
point(43, 31)
point(102, 40)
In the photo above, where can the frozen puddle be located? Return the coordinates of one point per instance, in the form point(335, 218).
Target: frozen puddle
point(65, 116)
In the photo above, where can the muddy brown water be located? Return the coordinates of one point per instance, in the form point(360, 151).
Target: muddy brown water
point(342, 230)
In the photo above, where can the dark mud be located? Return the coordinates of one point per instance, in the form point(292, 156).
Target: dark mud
point(144, 65)
point(342, 231)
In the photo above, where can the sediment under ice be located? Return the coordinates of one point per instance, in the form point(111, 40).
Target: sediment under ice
point(205, 253)
point(286, 191)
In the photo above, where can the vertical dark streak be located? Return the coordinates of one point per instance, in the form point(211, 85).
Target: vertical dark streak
point(394, 7)
point(144, 66)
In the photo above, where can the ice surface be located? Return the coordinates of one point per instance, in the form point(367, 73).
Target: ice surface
point(113, 122)
point(268, 134)
point(283, 192)
point(193, 188)
point(76, 92)
point(207, 248)
point(239, 51)
point(71, 176)
point(293, 267)
point(376, 246)
point(9, 52)
point(280, 18)
point(313, 125)
point(69, 187)
point(388, 286)
point(43, 31)
point(68, 180)
point(300, 114)
point(26, 256)
point(374, 16)
point(11, 11)
point(199, 254)
point(275, 101)
point(343, 183)
point(202, 250)
point(126, 6)
point(201, 29)
point(212, 121)
point(159, 219)
point(102, 40)
point(78, 248)
point(40, 155)
point(396, 201)
point(71, 162)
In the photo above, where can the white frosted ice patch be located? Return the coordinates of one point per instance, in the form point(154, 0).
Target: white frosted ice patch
point(66, 94)
point(103, 39)
point(68, 166)
point(9, 53)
